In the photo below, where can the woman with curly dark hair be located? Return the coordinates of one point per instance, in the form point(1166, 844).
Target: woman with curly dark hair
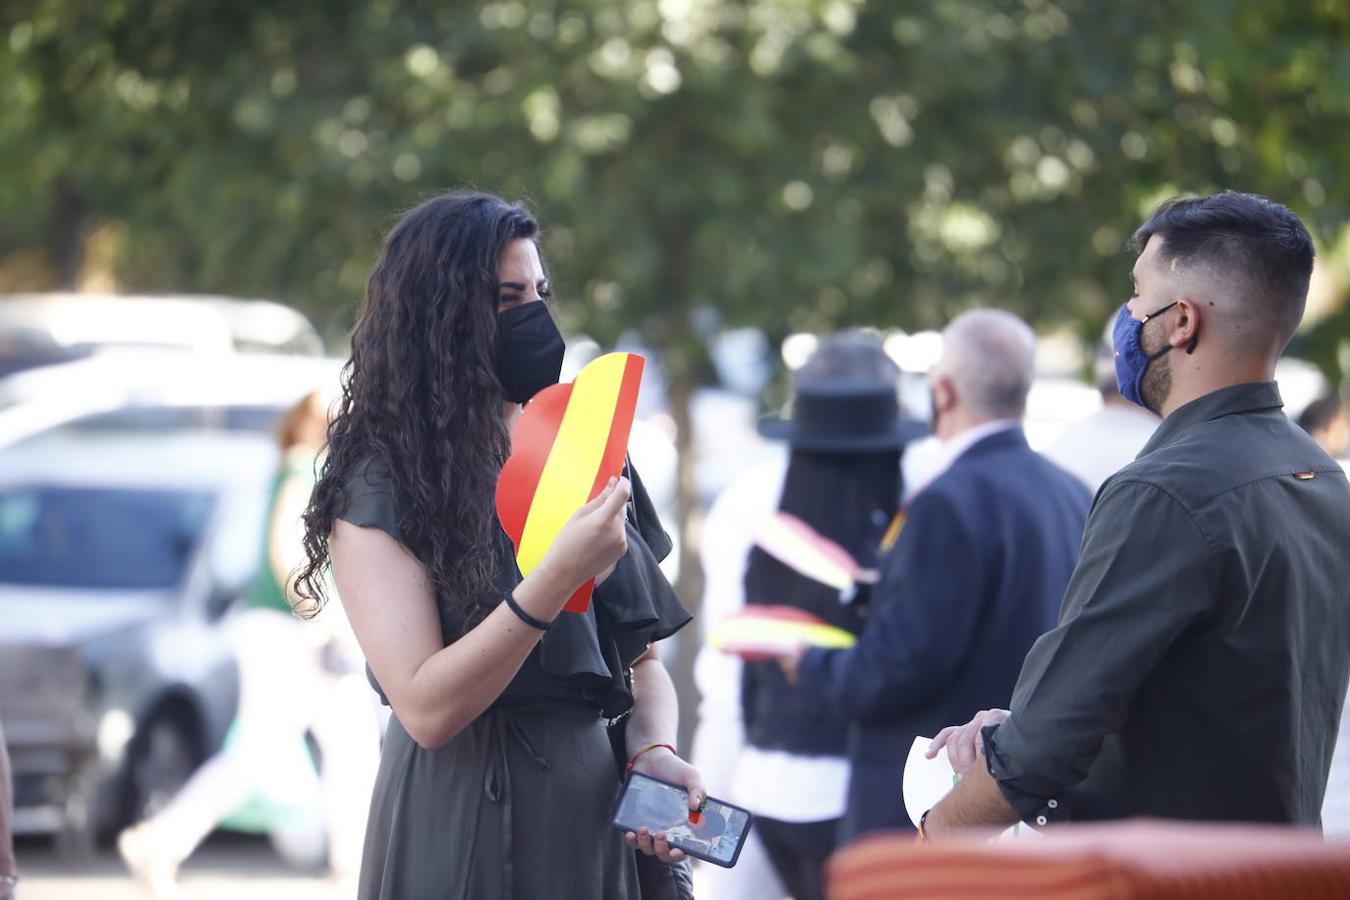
point(497, 777)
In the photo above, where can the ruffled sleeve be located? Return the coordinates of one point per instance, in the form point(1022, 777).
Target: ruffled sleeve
point(584, 657)
point(633, 608)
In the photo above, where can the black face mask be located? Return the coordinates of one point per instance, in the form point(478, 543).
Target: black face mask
point(529, 351)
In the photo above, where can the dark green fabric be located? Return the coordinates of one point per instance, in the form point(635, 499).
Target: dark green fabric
point(515, 806)
point(267, 592)
point(518, 804)
point(1202, 653)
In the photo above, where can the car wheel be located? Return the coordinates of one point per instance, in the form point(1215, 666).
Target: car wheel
point(163, 757)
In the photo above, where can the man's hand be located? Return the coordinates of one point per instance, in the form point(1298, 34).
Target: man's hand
point(661, 763)
point(963, 742)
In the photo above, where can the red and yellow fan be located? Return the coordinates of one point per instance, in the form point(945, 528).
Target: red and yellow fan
point(809, 553)
point(761, 632)
point(568, 442)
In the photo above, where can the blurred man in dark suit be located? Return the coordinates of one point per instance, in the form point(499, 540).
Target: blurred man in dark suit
point(976, 574)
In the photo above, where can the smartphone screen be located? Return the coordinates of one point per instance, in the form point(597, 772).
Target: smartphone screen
point(714, 834)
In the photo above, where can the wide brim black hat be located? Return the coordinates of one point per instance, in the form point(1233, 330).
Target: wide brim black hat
point(843, 416)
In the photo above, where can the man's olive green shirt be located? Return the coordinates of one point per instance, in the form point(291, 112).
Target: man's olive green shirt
point(1203, 648)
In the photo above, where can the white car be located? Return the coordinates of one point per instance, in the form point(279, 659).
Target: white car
point(204, 389)
point(118, 554)
point(80, 323)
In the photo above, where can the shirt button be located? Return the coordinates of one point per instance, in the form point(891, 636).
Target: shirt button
point(1040, 820)
point(1053, 804)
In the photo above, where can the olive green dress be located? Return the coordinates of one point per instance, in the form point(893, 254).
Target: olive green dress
point(518, 804)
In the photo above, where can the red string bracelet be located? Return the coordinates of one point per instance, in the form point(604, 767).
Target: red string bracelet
point(647, 749)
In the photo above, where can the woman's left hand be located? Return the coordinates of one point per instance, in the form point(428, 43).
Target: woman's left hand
point(663, 764)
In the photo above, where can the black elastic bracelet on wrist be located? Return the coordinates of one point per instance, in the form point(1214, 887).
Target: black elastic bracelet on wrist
point(525, 617)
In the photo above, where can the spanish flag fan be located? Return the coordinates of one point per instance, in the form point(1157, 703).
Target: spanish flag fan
point(808, 553)
point(569, 441)
point(761, 632)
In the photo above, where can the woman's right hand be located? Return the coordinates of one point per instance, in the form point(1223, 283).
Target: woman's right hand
point(594, 539)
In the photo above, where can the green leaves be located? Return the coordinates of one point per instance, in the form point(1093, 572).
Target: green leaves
point(791, 163)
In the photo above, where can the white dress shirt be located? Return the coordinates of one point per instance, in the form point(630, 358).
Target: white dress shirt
point(927, 458)
point(1104, 443)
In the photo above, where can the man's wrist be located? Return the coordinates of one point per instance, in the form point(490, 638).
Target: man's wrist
point(932, 825)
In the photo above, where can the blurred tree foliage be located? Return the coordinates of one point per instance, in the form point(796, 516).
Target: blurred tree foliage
point(788, 163)
point(795, 164)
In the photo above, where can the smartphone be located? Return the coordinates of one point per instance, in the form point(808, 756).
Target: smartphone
point(714, 834)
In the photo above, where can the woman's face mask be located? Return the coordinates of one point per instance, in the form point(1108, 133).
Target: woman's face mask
point(529, 351)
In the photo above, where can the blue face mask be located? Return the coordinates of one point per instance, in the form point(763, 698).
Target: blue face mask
point(1131, 360)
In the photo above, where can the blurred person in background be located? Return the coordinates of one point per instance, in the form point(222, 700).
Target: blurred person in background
point(344, 717)
point(1325, 421)
point(497, 776)
point(975, 576)
point(842, 479)
point(1201, 659)
point(9, 870)
point(1336, 803)
point(259, 774)
point(726, 540)
point(1109, 439)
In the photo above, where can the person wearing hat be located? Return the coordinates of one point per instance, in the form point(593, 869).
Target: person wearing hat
point(976, 573)
point(844, 436)
point(1108, 440)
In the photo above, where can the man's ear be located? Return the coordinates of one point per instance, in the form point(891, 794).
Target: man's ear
point(1186, 331)
point(944, 394)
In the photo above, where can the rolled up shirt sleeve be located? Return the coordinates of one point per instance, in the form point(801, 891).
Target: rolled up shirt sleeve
point(1145, 574)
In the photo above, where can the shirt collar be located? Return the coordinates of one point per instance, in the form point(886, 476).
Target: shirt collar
point(1238, 398)
point(927, 458)
point(957, 446)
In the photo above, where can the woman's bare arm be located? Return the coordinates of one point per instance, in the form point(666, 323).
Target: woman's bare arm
point(435, 690)
point(655, 719)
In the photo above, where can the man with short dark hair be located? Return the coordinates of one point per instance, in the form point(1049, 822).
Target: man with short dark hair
point(1203, 649)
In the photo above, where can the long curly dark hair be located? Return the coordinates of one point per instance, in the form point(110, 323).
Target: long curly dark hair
point(420, 395)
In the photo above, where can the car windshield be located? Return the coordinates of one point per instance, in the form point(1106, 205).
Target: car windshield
point(87, 537)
